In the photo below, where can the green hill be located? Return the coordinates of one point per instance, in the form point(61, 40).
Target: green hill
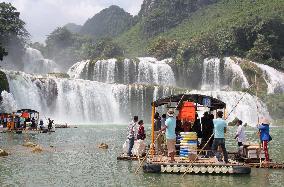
point(246, 28)
point(109, 22)
point(72, 27)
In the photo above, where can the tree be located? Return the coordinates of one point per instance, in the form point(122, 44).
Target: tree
point(13, 35)
point(261, 50)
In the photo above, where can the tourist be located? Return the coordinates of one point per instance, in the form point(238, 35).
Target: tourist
point(50, 122)
point(132, 134)
point(41, 124)
point(197, 126)
point(157, 128)
point(220, 127)
point(163, 120)
point(264, 136)
point(207, 131)
point(170, 126)
point(33, 123)
point(240, 133)
point(141, 132)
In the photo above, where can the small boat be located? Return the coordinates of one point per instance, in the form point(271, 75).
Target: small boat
point(189, 159)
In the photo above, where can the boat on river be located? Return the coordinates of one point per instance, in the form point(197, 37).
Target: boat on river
point(191, 158)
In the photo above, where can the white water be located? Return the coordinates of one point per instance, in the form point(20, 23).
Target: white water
point(274, 79)
point(77, 69)
point(211, 74)
point(34, 62)
point(146, 71)
point(76, 100)
point(152, 71)
point(245, 107)
point(238, 74)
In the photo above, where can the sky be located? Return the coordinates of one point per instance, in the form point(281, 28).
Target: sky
point(43, 16)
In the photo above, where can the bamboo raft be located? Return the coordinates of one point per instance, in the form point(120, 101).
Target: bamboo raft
point(200, 166)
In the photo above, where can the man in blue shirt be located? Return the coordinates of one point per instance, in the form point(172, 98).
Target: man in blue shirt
point(220, 127)
point(170, 126)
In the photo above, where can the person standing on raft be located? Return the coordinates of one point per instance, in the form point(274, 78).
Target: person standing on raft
point(141, 131)
point(132, 134)
point(170, 126)
point(220, 128)
point(50, 122)
point(240, 133)
point(264, 136)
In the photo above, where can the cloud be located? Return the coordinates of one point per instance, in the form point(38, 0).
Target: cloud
point(43, 16)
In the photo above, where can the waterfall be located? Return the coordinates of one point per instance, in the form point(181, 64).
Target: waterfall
point(146, 71)
point(238, 75)
point(152, 71)
point(76, 70)
point(34, 62)
point(211, 74)
point(248, 109)
point(105, 71)
point(274, 79)
point(77, 100)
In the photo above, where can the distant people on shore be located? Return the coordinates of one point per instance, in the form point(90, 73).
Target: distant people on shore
point(50, 122)
point(141, 131)
point(132, 134)
point(240, 133)
point(41, 124)
point(220, 128)
point(264, 136)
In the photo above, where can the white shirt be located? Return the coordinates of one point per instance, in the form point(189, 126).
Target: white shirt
point(240, 133)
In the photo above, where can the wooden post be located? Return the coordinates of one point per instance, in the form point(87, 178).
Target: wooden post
point(153, 130)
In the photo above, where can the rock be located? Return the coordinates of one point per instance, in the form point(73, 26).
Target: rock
point(37, 149)
point(29, 144)
point(3, 153)
point(103, 146)
point(51, 146)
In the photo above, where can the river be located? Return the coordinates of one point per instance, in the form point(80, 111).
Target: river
point(71, 157)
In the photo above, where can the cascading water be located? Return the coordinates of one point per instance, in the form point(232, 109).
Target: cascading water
point(75, 100)
point(244, 106)
point(211, 74)
point(77, 69)
point(146, 71)
point(34, 62)
point(274, 79)
point(230, 66)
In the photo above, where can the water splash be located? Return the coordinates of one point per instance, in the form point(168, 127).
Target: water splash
point(34, 62)
point(77, 69)
point(274, 78)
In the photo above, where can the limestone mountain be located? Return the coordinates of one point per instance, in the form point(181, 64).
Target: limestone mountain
point(109, 22)
point(72, 27)
point(159, 15)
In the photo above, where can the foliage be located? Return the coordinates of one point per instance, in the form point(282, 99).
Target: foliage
point(104, 48)
point(72, 27)
point(275, 105)
point(248, 29)
point(109, 22)
point(163, 48)
point(64, 47)
point(4, 84)
point(159, 16)
point(13, 34)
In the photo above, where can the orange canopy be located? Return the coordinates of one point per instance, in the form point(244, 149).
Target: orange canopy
point(187, 111)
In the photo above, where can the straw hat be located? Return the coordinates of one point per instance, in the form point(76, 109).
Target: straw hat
point(171, 113)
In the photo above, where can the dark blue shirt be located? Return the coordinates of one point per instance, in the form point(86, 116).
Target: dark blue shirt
point(264, 132)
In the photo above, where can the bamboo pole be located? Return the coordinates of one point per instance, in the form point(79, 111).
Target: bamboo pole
point(153, 131)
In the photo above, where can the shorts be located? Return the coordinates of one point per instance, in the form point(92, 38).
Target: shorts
point(171, 145)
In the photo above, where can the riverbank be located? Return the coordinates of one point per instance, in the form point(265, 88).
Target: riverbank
point(71, 157)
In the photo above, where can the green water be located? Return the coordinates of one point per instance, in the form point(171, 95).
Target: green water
point(75, 160)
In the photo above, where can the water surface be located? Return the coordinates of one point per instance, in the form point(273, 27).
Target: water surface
point(75, 160)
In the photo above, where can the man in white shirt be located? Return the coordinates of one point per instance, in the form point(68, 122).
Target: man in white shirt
point(240, 133)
